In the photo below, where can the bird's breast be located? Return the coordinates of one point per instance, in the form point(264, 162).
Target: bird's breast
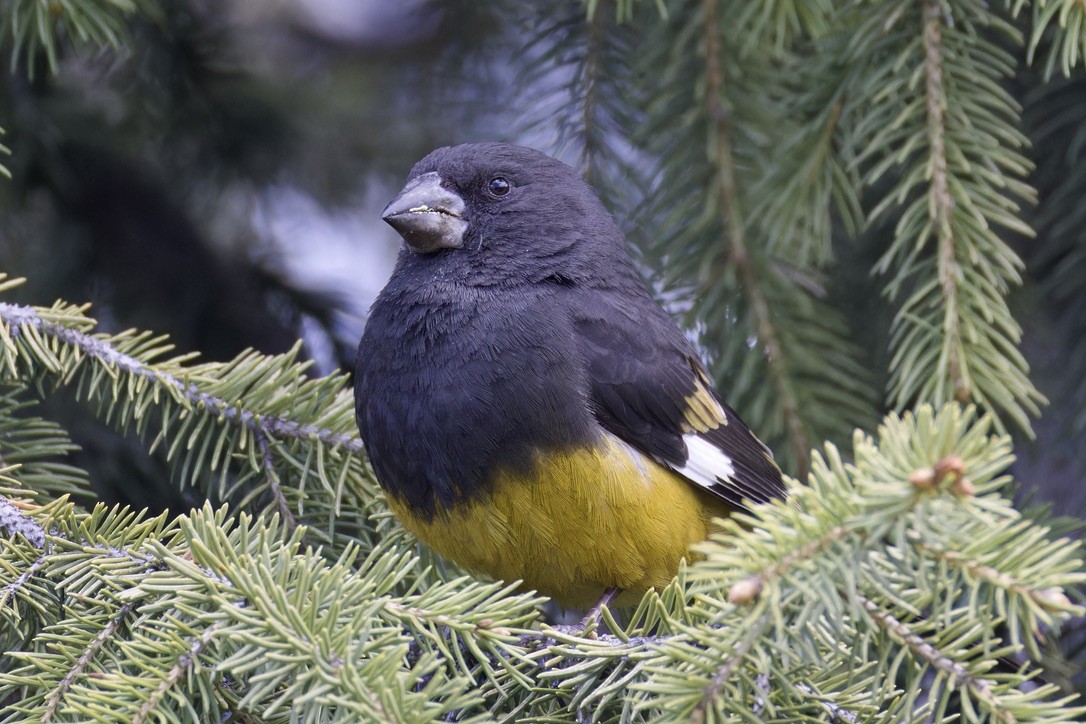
point(449, 392)
point(577, 522)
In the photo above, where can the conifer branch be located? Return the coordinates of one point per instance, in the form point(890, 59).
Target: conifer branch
point(688, 652)
point(16, 316)
point(628, 646)
point(594, 51)
point(940, 204)
point(212, 614)
point(1048, 599)
point(15, 522)
point(272, 477)
point(957, 673)
point(1059, 28)
point(32, 27)
point(724, 673)
point(745, 590)
point(36, 448)
point(591, 73)
point(739, 256)
point(257, 424)
point(836, 713)
point(12, 589)
point(952, 148)
point(185, 663)
point(84, 659)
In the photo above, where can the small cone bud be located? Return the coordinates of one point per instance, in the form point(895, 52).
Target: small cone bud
point(923, 478)
point(950, 465)
point(1053, 599)
point(745, 591)
point(963, 486)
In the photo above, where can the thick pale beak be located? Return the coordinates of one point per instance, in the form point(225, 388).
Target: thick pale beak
point(427, 215)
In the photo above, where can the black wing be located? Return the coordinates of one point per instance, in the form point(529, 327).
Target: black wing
point(648, 388)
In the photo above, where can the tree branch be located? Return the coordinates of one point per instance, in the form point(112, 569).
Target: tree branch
point(84, 659)
point(750, 588)
point(940, 204)
point(724, 673)
point(14, 521)
point(272, 476)
point(186, 662)
point(590, 75)
point(1048, 599)
point(16, 316)
point(9, 591)
point(721, 142)
point(957, 673)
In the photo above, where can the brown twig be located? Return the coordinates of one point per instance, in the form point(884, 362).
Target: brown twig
point(739, 254)
point(940, 204)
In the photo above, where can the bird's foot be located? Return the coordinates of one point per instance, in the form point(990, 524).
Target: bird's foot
point(591, 620)
point(588, 626)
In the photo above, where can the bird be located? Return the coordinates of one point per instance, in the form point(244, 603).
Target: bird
point(530, 410)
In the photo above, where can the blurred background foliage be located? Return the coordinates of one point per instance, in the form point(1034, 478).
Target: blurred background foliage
point(215, 170)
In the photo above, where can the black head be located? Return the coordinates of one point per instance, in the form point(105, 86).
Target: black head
point(517, 213)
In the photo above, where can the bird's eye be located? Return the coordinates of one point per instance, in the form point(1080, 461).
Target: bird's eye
point(498, 186)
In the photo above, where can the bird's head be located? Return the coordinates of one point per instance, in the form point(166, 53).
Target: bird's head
point(514, 206)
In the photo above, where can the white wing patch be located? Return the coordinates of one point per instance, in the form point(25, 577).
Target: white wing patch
point(706, 464)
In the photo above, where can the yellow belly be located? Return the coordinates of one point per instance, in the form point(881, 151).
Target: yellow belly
point(586, 520)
